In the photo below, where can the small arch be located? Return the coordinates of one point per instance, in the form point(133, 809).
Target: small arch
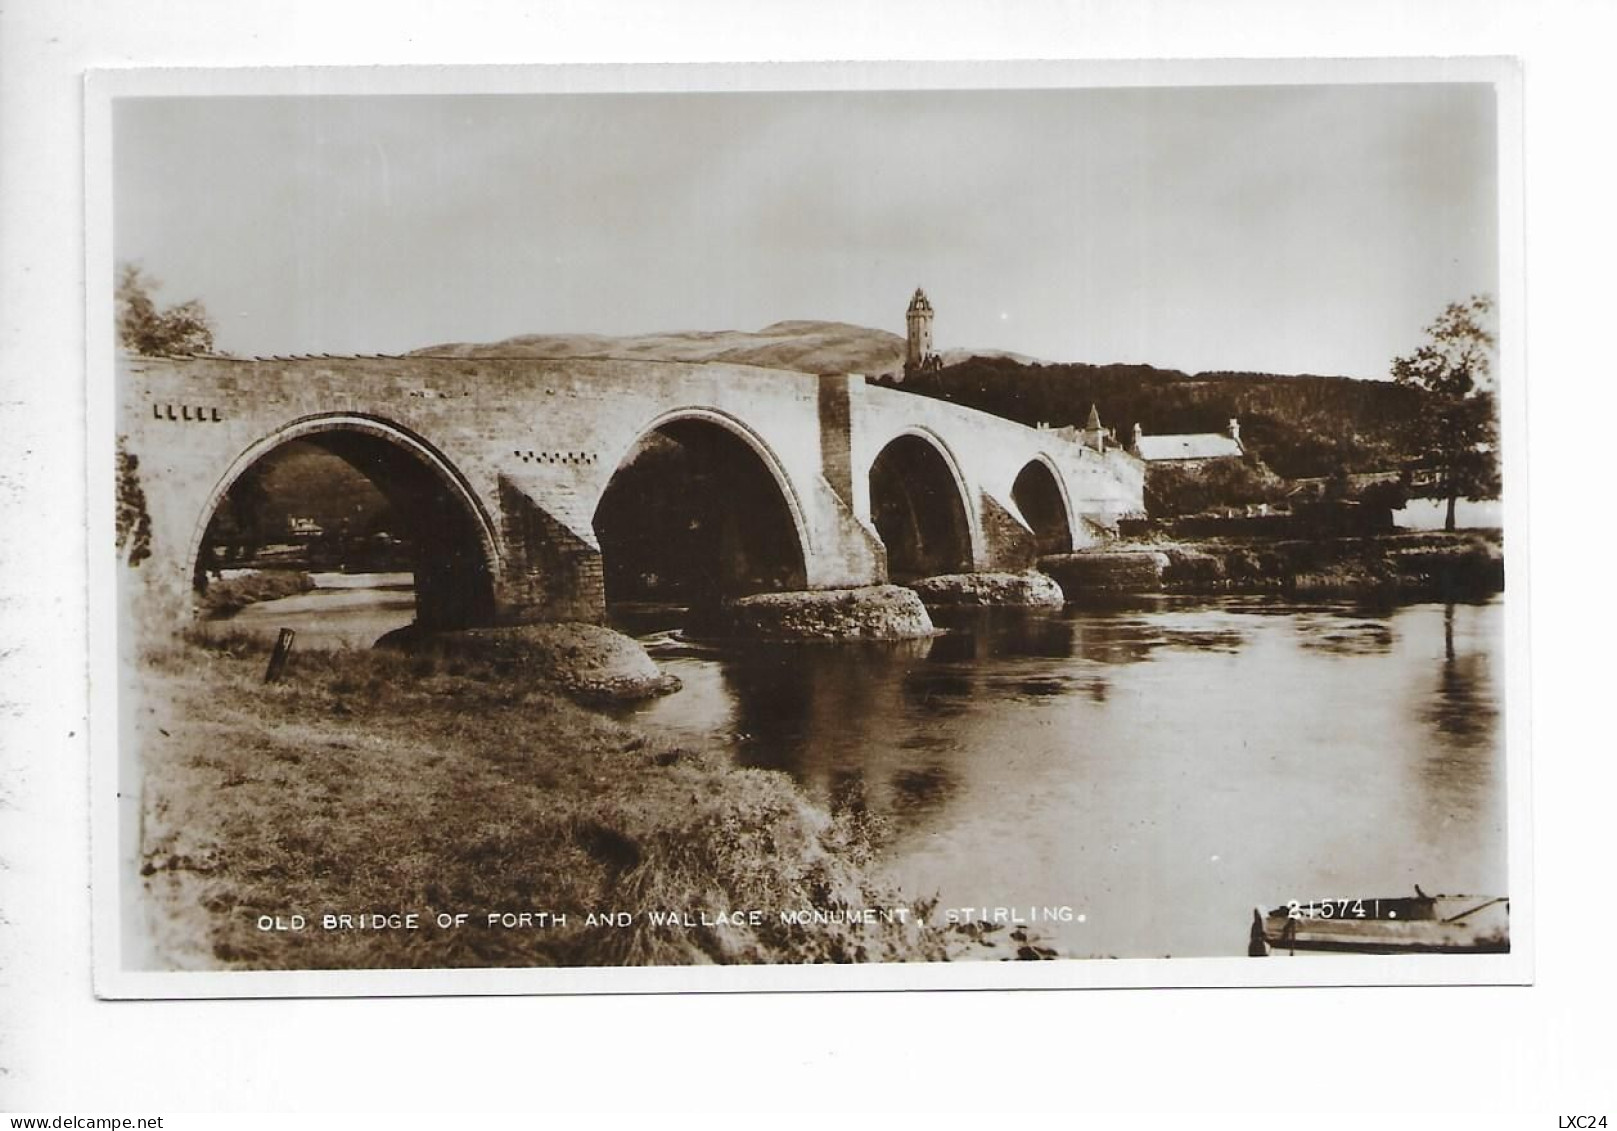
point(687, 518)
point(454, 545)
point(1041, 496)
point(921, 507)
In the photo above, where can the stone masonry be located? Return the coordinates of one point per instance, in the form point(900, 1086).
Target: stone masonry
point(527, 447)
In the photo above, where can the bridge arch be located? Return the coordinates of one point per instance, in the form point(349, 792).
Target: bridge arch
point(454, 543)
point(922, 507)
point(731, 521)
point(1040, 493)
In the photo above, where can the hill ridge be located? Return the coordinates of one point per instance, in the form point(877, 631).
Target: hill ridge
point(815, 345)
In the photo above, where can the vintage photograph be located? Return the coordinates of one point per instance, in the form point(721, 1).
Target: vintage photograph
point(1004, 529)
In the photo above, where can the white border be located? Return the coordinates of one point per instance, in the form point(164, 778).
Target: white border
point(113, 862)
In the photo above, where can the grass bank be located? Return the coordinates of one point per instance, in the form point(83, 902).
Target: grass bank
point(376, 783)
point(592, 664)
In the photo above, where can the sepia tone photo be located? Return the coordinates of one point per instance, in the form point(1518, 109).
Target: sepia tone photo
point(1015, 532)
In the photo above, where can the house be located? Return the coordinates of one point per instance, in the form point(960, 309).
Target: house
point(1189, 450)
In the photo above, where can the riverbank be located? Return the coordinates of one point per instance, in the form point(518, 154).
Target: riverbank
point(371, 783)
point(1463, 565)
point(227, 595)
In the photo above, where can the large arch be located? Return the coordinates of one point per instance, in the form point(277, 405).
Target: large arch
point(698, 509)
point(921, 508)
point(1042, 498)
point(452, 541)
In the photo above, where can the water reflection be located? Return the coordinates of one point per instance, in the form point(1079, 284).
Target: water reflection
point(926, 786)
point(1160, 767)
point(1460, 778)
point(1109, 640)
point(1322, 634)
point(1462, 710)
point(939, 690)
point(1206, 640)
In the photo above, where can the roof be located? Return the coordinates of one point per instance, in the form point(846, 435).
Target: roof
point(1194, 445)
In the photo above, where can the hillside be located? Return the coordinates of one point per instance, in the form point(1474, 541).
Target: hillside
point(815, 347)
point(802, 344)
point(1302, 425)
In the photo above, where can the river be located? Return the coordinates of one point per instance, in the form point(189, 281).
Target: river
point(1136, 777)
point(1157, 769)
point(343, 611)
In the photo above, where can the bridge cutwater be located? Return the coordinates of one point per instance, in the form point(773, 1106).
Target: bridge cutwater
point(505, 469)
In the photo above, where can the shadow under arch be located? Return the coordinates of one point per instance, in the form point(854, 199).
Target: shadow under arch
point(1041, 496)
point(454, 551)
point(699, 509)
point(921, 507)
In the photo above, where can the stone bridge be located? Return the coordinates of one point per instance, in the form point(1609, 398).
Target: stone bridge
point(525, 482)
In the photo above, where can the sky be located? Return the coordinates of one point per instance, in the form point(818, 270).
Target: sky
point(1303, 229)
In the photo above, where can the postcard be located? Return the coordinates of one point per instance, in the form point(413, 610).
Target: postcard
point(591, 530)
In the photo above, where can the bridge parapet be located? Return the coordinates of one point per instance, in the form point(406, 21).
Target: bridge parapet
point(525, 449)
point(989, 453)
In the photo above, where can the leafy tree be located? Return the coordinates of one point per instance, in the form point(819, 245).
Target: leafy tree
point(1392, 495)
point(1171, 490)
point(134, 523)
point(181, 329)
point(1456, 429)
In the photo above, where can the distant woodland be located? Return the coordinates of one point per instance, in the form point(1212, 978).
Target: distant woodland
point(1300, 426)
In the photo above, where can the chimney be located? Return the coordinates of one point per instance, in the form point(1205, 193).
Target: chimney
point(1235, 429)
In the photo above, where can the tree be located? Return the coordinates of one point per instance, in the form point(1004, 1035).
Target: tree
point(134, 524)
point(1171, 490)
point(237, 528)
point(181, 329)
point(1457, 428)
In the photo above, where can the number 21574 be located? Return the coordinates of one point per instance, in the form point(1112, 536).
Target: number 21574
point(1332, 909)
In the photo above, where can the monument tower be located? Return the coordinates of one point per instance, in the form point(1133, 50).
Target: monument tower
point(919, 356)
